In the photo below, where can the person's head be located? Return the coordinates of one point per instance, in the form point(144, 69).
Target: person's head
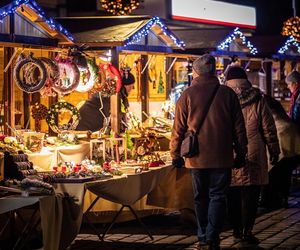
point(205, 64)
point(128, 81)
point(236, 78)
point(293, 80)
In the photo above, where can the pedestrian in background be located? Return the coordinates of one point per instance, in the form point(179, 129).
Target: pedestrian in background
point(246, 182)
point(222, 133)
point(293, 83)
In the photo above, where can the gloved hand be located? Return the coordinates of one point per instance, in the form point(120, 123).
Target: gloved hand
point(239, 161)
point(274, 159)
point(178, 163)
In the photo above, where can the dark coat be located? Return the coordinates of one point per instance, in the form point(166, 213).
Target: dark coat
point(90, 116)
point(223, 130)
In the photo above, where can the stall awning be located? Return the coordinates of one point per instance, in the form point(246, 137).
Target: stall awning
point(30, 21)
point(121, 31)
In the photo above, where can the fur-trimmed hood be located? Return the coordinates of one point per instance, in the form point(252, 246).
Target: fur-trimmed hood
point(249, 96)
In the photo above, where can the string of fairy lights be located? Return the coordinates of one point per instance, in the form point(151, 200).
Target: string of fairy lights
point(11, 8)
point(225, 44)
point(291, 41)
point(145, 31)
point(120, 7)
point(291, 27)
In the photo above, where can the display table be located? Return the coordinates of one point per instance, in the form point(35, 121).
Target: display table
point(61, 214)
point(50, 157)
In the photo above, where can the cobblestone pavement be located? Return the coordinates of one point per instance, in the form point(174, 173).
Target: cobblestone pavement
point(277, 229)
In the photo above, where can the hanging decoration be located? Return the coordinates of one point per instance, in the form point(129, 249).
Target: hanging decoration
point(11, 9)
point(290, 42)
point(55, 110)
point(291, 27)
point(120, 7)
point(88, 77)
point(145, 31)
point(68, 74)
point(113, 81)
point(34, 73)
point(52, 76)
point(225, 44)
point(39, 112)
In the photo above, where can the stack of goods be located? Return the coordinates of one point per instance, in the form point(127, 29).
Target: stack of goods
point(17, 166)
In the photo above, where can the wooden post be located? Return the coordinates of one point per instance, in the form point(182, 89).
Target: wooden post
point(144, 88)
point(8, 95)
point(115, 99)
point(269, 81)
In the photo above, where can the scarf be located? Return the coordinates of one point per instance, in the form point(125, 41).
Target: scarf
point(293, 99)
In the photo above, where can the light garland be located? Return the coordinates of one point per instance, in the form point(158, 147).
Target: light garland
point(145, 31)
point(291, 27)
point(120, 7)
point(11, 8)
point(52, 116)
point(225, 44)
point(291, 41)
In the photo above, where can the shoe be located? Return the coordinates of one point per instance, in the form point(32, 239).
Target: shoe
point(249, 238)
point(237, 234)
point(212, 245)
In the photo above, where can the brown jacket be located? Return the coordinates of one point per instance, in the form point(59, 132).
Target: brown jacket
point(222, 131)
point(261, 133)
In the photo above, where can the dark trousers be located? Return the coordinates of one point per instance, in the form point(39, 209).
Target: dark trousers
point(242, 207)
point(210, 188)
point(276, 193)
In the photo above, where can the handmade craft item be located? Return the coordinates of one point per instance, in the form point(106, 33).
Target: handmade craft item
point(30, 73)
point(88, 77)
point(39, 112)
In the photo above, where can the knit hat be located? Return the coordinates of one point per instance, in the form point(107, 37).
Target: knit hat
point(236, 77)
point(293, 77)
point(235, 72)
point(205, 64)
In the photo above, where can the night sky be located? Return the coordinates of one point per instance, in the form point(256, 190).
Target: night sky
point(270, 14)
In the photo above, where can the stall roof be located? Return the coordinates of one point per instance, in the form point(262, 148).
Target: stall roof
point(31, 12)
point(119, 31)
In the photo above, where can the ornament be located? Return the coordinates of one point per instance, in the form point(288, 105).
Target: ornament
point(33, 80)
point(113, 82)
point(69, 76)
point(88, 77)
point(120, 7)
point(38, 112)
point(291, 27)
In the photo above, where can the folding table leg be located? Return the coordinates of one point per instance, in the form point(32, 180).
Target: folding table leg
point(140, 221)
point(88, 221)
point(113, 222)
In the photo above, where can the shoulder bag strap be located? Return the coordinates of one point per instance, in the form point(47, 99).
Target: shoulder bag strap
point(207, 108)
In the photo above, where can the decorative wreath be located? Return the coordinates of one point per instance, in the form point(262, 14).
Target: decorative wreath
point(53, 115)
point(88, 77)
point(113, 81)
point(31, 81)
point(99, 83)
point(69, 76)
point(52, 76)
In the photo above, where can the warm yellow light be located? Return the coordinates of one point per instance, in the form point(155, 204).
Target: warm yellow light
point(119, 7)
point(291, 27)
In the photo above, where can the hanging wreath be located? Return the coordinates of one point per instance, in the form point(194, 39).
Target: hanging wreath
point(39, 112)
point(88, 77)
point(52, 76)
point(99, 83)
point(68, 76)
point(34, 73)
point(112, 83)
point(53, 113)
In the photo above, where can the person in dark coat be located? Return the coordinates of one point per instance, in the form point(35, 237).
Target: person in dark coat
point(222, 133)
point(275, 194)
point(90, 116)
point(246, 182)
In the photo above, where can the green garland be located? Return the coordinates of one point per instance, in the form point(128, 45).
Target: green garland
point(53, 114)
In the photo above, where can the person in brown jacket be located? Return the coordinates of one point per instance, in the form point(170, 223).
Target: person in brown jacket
point(222, 133)
point(246, 182)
